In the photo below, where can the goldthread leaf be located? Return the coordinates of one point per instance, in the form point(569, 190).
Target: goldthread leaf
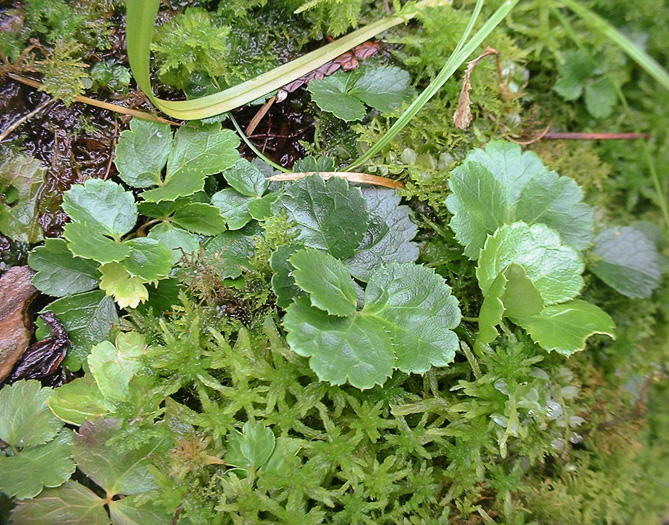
point(326, 280)
point(233, 207)
point(77, 401)
point(148, 260)
point(135, 510)
point(328, 215)
point(25, 475)
point(25, 418)
point(233, 249)
point(250, 448)
point(87, 242)
point(246, 179)
point(492, 310)
point(283, 282)
point(199, 217)
point(142, 151)
point(60, 273)
point(564, 328)
point(114, 365)
point(627, 261)
point(502, 185)
point(406, 323)
point(521, 298)
point(177, 240)
point(553, 268)
point(127, 291)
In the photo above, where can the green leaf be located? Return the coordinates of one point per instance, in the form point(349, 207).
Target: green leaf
point(406, 323)
point(133, 510)
point(492, 310)
point(88, 319)
point(149, 259)
point(284, 449)
point(233, 206)
point(142, 151)
point(161, 210)
point(246, 179)
point(18, 219)
point(345, 94)
point(25, 418)
point(59, 273)
point(502, 185)
point(178, 241)
point(283, 282)
point(326, 280)
point(601, 97)
point(199, 217)
point(261, 207)
point(564, 328)
point(102, 206)
point(70, 504)
point(553, 268)
point(77, 401)
point(114, 365)
point(388, 237)
point(627, 261)
point(27, 473)
point(313, 164)
point(234, 250)
point(521, 298)
point(114, 468)
point(198, 151)
point(162, 297)
point(573, 73)
point(116, 281)
point(250, 448)
point(87, 242)
point(328, 215)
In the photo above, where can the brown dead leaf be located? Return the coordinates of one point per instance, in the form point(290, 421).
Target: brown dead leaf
point(463, 114)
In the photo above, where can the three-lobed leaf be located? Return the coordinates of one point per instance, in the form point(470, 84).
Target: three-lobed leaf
point(250, 448)
point(126, 289)
point(142, 151)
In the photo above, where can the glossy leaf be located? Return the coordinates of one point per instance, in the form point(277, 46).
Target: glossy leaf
point(246, 179)
point(234, 250)
point(233, 207)
point(492, 310)
point(149, 259)
point(87, 242)
point(199, 217)
point(60, 273)
point(142, 151)
point(283, 282)
point(132, 510)
point(521, 298)
point(177, 240)
point(127, 291)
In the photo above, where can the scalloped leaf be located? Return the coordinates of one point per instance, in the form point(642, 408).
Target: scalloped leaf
point(148, 260)
point(502, 185)
point(246, 179)
point(177, 240)
point(250, 448)
point(142, 151)
point(199, 217)
point(18, 220)
point(116, 281)
point(233, 207)
point(87, 242)
point(77, 401)
point(114, 365)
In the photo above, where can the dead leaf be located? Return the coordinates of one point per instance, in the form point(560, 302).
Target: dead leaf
point(463, 114)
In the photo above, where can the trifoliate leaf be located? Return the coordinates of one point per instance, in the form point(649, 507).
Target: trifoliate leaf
point(492, 310)
point(521, 298)
point(116, 469)
point(60, 273)
point(328, 215)
point(28, 472)
point(135, 510)
point(70, 504)
point(233, 249)
point(233, 206)
point(25, 418)
point(196, 153)
point(88, 318)
point(564, 328)
point(149, 259)
point(199, 217)
point(313, 164)
point(246, 179)
point(501, 185)
point(114, 365)
point(89, 243)
point(627, 261)
point(345, 94)
point(142, 151)
point(405, 323)
point(553, 268)
point(178, 241)
point(326, 280)
point(103, 206)
point(161, 210)
point(283, 282)
point(127, 291)
point(250, 448)
point(388, 237)
point(24, 176)
point(77, 401)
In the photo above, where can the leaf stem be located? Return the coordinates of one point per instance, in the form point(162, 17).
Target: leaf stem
point(253, 148)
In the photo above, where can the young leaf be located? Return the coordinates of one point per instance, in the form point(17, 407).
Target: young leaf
point(564, 328)
point(149, 259)
point(102, 206)
point(627, 261)
point(117, 470)
point(18, 220)
point(501, 185)
point(135, 510)
point(113, 366)
point(25, 475)
point(77, 401)
point(233, 207)
point(128, 291)
point(59, 273)
point(328, 215)
point(70, 504)
point(25, 418)
point(388, 237)
point(198, 217)
point(88, 319)
point(326, 280)
point(405, 323)
point(261, 207)
point(197, 152)
point(553, 268)
point(246, 179)
point(283, 282)
point(178, 241)
point(492, 310)
point(250, 448)
point(521, 298)
point(142, 151)
point(345, 94)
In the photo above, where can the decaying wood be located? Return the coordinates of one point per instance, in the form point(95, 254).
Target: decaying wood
point(16, 295)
